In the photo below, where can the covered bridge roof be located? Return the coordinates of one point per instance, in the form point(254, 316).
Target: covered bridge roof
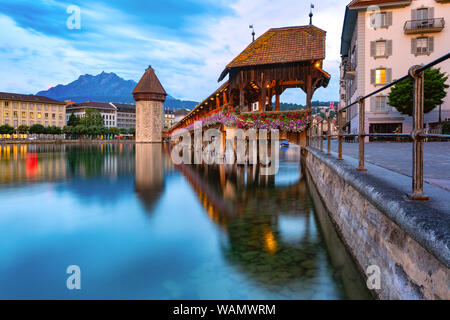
point(282, 45)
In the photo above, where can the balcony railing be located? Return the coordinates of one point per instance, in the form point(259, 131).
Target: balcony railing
point(424, 25)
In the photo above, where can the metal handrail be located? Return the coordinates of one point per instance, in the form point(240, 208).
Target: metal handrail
point(417, 135)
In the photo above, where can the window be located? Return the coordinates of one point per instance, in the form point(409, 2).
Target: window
point(380, 48)
point(39, 116)
point(31, 114)
point(53, 116)
point(15, 114)
point(24, 122)
point(380, 104)
point(6, 113)
point(46, 123)
point(31, 123)
point(38, 106)
point(6, 104)
point(380, 76)
point(60, 108)
point(31, 106)
point(46, 116)
point(422, 45)
point(60, 116)
point(53, 108)
point(15, 123)
point(46, 107)
point(24, 114)
point(14, 105)
point(23, 106)
point(422, 14)
point(381, 19)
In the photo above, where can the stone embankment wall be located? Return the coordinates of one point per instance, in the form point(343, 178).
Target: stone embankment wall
point(408, 241)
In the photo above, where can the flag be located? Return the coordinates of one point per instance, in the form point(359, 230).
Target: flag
point(331, 105)
point(312, 6)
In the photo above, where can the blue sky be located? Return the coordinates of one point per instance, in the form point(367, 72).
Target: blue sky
point(188, 42)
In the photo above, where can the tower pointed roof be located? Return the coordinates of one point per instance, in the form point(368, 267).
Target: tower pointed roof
point(149, 85)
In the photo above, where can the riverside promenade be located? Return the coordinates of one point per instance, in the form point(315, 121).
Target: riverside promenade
point(396, 156)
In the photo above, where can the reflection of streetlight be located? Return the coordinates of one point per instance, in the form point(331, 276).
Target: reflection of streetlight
point(271, 244)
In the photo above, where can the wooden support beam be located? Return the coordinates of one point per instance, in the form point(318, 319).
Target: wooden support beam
point(225, 97)
point(277, 101)
point(309, 92)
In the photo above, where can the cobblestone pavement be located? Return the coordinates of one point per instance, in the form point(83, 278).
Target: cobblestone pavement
point(398, 157)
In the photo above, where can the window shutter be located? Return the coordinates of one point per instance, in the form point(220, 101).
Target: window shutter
point(372, 76)
point(389, 47)
point(388, 18)
point(373, 48)
point(388, 75)
point(413, 45)
point(430, 44)
point(431, 13)
point(372, 104)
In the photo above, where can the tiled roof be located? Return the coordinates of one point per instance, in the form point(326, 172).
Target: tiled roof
point(92, 105)
point(361, 3)
point(283, 45)
point(149, 83)
point(28, 98)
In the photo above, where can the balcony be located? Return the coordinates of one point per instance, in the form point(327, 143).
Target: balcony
point(424, 25)
point(349, 71)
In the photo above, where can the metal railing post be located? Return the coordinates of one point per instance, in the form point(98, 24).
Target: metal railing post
point(329, 136)
point(339, 123)
point(418, 101)
point(361, 133)
point(321, 136)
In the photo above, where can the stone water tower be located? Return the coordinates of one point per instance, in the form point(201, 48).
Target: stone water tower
point(149, 95)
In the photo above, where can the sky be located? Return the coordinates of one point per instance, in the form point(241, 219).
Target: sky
point(187, 42)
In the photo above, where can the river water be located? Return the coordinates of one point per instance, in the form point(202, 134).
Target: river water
point(139, 227)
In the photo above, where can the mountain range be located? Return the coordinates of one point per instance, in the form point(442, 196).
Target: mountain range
point(104, 87)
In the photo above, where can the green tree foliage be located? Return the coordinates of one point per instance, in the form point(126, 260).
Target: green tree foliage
point(22, 129)
point(123, 131)
point(132, 131)
point(92, 117)
point(37, 129)
point(73, 120)
point(446, 128)
point(114, 131)
point(401, 95)
point(6, 129)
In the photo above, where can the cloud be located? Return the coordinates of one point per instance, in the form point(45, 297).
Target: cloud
point(188, 49)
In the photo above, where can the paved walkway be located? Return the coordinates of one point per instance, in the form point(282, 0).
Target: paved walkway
point(398, 157)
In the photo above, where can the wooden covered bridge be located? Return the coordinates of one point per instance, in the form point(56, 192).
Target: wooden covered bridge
point(281, 58)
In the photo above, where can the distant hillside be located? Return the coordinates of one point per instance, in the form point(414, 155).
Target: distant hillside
point(104, 87)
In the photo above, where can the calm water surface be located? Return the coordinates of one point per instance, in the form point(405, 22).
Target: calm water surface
point(142, 228)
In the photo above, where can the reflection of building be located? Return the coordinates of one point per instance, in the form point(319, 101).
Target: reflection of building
point(126, 115)
point(107, 110)
point(378, 47)
point(23, 109)
point(149, 173)
point(32, 163)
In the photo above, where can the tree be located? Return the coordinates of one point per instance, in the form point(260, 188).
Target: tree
point(22, 129)
point(123, 131)
point(6, 129)
point(132, 131)
point(68, 129)
point(73, 120)
point(114, 131)
point(446, 128)
point(92, 117)
point(37, 129)
point(401, 95)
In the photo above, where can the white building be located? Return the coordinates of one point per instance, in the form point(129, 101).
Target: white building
point(381, 40)
point(107, 110)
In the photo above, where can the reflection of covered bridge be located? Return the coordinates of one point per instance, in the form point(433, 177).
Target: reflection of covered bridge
point(281, 58)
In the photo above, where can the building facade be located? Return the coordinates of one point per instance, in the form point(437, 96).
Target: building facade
point(126, 115)
point(22, 109)
point(381, 40)
point(169, 118)
point(107, 110)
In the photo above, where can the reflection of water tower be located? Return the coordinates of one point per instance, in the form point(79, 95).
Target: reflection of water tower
point(149, 173)
point(149, 95)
